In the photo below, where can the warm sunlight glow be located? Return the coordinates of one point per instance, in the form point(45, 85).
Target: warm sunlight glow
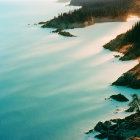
point(132, 18)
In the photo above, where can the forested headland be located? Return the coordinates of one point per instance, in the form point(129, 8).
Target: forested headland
point(93, 12)
point(127, 43)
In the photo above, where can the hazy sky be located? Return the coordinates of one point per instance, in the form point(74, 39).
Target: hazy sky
point(35, 0)
point(24, 0)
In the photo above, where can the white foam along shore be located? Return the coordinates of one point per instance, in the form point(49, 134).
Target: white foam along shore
point(54, 87)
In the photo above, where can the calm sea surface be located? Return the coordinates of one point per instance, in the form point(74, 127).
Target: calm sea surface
point(52, 87)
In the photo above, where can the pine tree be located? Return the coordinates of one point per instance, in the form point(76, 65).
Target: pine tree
point(135, 103)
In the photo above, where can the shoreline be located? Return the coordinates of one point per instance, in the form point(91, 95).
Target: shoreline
point(130, 79)
point(130, 49)
point(92, 13)
point(85, 24)
point(54, 87)
point(127, 128)
point(119, 129)
point(53, 24)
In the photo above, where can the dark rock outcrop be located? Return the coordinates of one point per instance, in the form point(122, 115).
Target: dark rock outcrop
point(130, 78)
point(90, 131)
point(130, 109)
point(101, 136)
point(119, 97)
point(63, 33)
point(102, 127)
point(119, 129)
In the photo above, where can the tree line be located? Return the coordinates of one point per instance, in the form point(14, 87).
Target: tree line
point(133, 37)
point(97, 9)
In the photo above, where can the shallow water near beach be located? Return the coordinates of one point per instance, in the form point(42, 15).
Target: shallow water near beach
point(54, 87)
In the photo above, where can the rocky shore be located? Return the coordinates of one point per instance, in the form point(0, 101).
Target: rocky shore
point(130, 78)
point(128, 44)
point(119, 129)
point(65, 25)
point(119, 97)
point(120, 44)
point(129, 127)
point(63, 33)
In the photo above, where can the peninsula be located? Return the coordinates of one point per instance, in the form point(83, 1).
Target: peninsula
point(94, 12)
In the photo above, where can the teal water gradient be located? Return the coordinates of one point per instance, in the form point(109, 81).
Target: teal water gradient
point(51, 87)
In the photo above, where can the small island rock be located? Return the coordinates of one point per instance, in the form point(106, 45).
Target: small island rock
point(119, 97)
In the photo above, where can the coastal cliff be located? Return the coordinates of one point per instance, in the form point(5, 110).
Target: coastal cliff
point(129, 44)
point(124, 44)
point(130, 78)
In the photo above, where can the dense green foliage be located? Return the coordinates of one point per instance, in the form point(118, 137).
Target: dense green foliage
point(96, 2)
point(133, 37)
point(96, 9)
point(87, 13)
point(135, 103)
point(63, 33)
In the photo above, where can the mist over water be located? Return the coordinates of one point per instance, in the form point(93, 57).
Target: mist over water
point(52, 87)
